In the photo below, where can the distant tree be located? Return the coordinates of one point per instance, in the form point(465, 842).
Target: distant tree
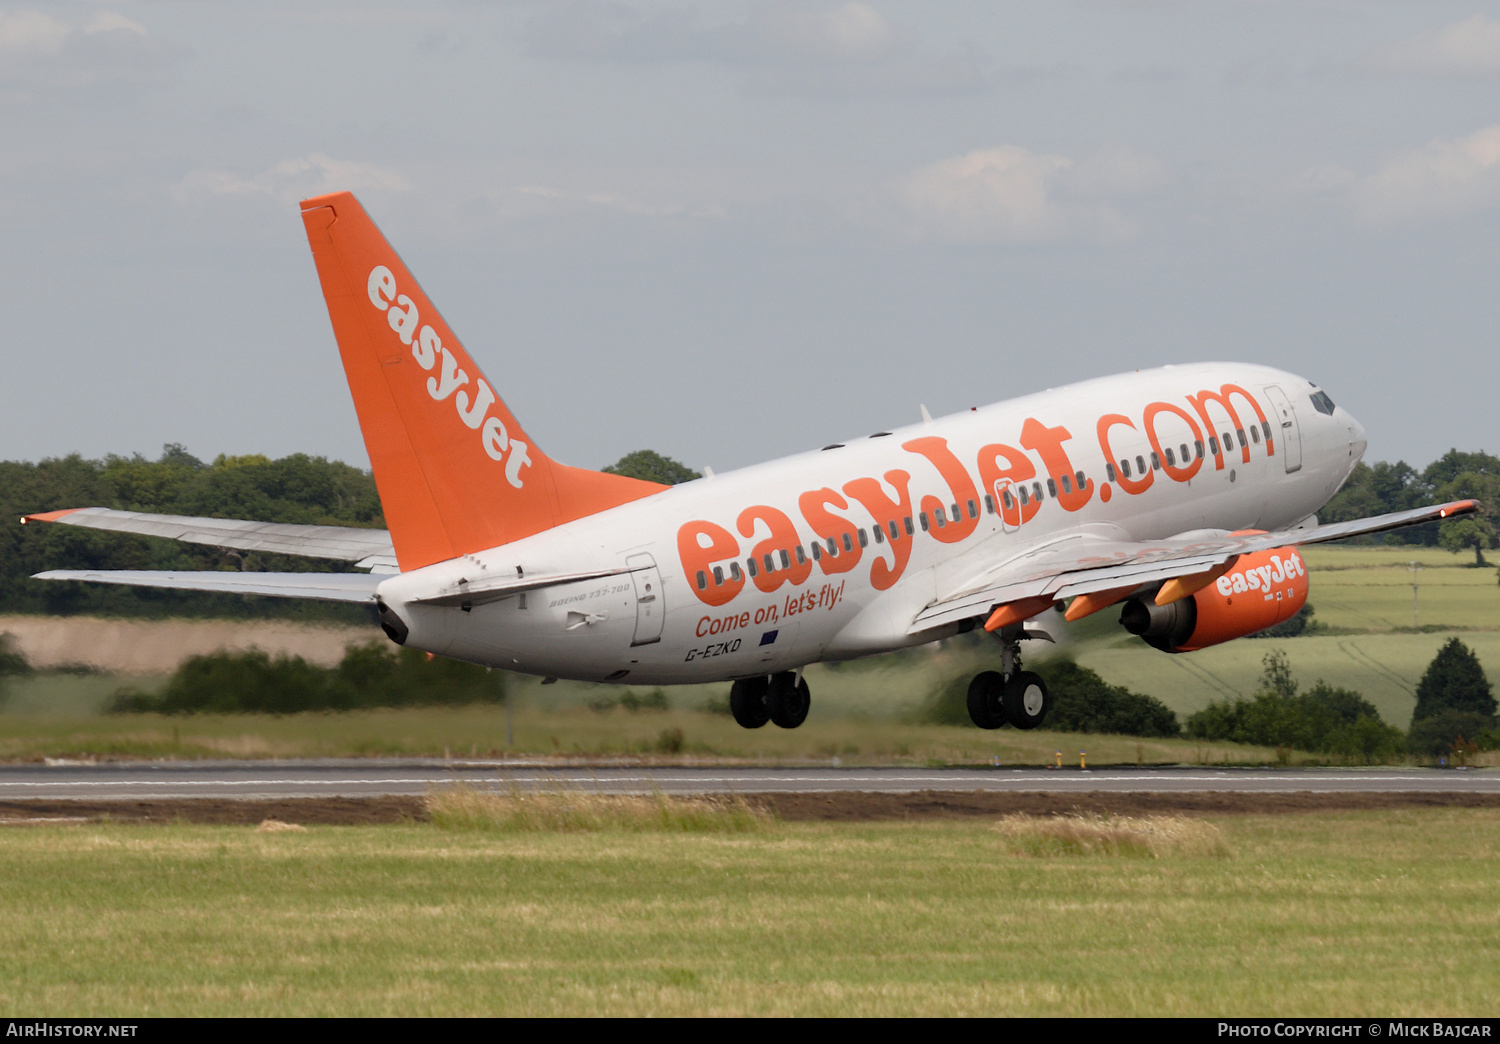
point(1276, 675)
point(1454, 681)
point(652, 467)
point(1460, 534)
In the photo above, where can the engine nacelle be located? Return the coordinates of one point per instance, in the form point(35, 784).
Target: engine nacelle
point(1260, 591)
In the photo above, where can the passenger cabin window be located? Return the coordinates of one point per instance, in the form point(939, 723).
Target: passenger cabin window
point(702, 581)
point(1109, 472)
point(942, 519)
point(1228, 441)
point(864, 538)
point(973, 510)
point(1010, 505)
point(1052, 487)
point(1265, 426)
point(989, 504)
point(1140, 464)
point(801, 557)
point(1213, 445)
point(817, 550)
point(1170, 459)
point(750, 562)
point(1243, 441)
point(1067, 485)
point(879, 532)
point(923, 519)
point(734, 571)
point(1036, 491)
point(1198, 447)
point(1155, 462)
point(1125, 468)
point(848, 543)
point(786, 560)
point(770, 564)
point(1082, 482)
point(1184, 450)
point(955, 516)
point(1024, 498)
point(718, 575)
point(1255, 434)
point(895, 532)
point(906, 522)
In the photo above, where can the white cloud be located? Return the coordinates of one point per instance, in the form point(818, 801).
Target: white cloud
point(1444, 178)
point(1467, 48)
point(41, 50)
point(820, 48)
point(1009, 194)
point(292, 180)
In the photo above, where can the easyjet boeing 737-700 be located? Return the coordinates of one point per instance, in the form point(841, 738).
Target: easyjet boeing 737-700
point(1180, 494)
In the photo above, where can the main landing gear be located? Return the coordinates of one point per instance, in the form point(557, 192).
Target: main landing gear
point(1009, 696)
point(782, 698)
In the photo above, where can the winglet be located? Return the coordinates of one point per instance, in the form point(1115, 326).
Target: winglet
point(48, 516)
point(455, 469)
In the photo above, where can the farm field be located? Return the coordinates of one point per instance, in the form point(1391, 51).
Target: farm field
point(1319, 914)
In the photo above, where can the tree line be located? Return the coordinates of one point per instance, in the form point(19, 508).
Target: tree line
point(297, 489)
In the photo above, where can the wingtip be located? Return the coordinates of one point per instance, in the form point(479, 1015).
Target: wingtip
point(48, 516)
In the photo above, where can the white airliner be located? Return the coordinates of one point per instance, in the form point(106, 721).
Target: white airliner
point(1180, 493)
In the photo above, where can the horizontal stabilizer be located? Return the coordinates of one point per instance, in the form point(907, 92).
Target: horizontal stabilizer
point(330, 587)
point(485, 591)
point(368, 548)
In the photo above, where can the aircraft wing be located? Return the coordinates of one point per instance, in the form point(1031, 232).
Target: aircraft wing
point(1081, 562)
point(366, 548)
point(331, 587)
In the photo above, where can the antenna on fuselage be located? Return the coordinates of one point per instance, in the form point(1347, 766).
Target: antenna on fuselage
point(926, 417)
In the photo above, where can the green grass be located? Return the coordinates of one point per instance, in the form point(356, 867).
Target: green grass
point(477, 731)
point(1367, 914)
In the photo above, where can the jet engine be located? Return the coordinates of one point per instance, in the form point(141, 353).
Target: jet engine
point(1260, 590)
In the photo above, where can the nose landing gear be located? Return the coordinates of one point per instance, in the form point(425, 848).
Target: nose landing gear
point(1010, 696)
point(782, 698)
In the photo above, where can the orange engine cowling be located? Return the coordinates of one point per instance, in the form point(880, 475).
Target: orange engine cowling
point(1259, 591)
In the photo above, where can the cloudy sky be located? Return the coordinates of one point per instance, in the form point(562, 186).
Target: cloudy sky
point(732, 231)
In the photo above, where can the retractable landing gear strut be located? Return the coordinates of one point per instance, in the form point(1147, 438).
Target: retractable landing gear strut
point(1009, 696)
point(782, 698)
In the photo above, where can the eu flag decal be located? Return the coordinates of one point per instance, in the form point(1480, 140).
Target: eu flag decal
point(768, 638)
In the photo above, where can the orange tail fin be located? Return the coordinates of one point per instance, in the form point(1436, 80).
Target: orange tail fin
point(455, 470)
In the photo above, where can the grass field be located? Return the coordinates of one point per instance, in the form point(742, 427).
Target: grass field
point(478, 731)
point(1325, 914)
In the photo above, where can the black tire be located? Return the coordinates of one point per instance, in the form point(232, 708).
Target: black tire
point(985, 706)
point(1026, 700)
point(788, 700)
point(747, 702)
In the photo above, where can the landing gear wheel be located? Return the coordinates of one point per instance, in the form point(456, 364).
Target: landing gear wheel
point(788, 700)
point(1026, 700)
point(747, 702)
point(985, 707)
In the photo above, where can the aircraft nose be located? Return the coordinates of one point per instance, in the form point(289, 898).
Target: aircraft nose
point(1357, 441)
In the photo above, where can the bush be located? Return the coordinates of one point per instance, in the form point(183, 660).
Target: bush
point(1324, 720)
point(370, 675)
point(1435, 735)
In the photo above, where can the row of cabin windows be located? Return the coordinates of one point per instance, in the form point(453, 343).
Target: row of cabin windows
point(937, 520)
point(1197, 451)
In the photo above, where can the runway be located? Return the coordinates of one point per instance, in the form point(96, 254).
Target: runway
point(137, 781)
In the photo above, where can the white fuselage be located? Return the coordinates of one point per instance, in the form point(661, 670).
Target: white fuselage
point(689, 610)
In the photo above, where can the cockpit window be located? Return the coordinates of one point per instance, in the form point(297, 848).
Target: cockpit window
point(1322, 403)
